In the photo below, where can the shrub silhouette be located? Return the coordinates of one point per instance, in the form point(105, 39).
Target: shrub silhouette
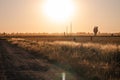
point(95, 30)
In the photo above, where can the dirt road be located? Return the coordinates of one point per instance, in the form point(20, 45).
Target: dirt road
point(18, 64)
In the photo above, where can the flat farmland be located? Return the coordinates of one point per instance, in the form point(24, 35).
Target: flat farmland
point(94, 39)
point(83, 38)
point(48, 57)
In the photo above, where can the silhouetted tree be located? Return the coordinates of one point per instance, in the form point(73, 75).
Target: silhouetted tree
point(95, 30)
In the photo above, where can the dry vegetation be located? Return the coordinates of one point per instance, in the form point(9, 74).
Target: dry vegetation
point(88, 61)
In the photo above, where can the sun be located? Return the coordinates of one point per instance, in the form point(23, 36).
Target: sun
point(59, 10)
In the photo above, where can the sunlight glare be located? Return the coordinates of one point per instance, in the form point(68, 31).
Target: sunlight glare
point(59, 10)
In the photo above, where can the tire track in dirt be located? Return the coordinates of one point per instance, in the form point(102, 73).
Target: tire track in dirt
point(18, 64)
point(2, 71)
point(8, 70)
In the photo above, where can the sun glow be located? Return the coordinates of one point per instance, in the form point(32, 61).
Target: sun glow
point(59, 10)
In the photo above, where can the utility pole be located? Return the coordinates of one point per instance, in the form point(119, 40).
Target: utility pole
point(71, 28)
point(66, 30)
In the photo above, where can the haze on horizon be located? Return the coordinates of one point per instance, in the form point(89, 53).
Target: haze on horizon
point(29, 16)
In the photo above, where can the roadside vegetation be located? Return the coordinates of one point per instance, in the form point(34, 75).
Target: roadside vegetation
point(89, 61)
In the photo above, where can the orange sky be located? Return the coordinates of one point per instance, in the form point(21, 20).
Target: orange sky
point(28, 16)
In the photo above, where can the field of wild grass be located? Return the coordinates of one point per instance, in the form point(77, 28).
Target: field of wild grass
point(88, 60)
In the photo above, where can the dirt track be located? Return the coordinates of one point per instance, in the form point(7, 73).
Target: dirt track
point(18, 64)
point(14, 63)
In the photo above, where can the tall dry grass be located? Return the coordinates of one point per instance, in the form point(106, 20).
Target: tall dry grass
point(90, 61)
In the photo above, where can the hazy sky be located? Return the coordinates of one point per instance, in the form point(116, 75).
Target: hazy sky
point(28, 16)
